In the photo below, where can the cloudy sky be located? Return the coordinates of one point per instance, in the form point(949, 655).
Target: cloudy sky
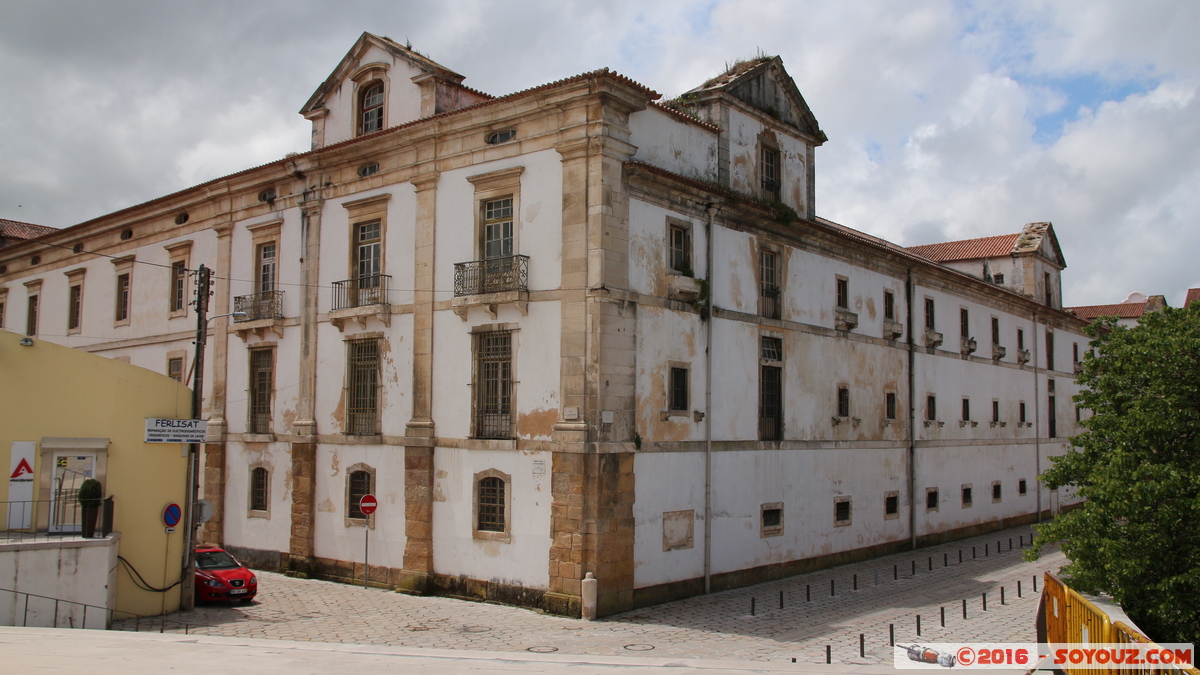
point(946, 120)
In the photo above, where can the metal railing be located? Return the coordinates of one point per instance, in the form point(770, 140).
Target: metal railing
point(1070, 618)
point(39, 613)
point(492, 275)
point(361, 292)
point(268, 305)
point(768, 302)
point(49, 519)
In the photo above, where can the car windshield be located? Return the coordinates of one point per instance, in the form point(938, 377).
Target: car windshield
point(215, 560)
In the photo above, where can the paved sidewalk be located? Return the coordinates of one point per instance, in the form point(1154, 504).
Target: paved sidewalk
point(714, 627)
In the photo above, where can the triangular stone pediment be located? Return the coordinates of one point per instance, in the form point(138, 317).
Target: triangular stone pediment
point(764, 83)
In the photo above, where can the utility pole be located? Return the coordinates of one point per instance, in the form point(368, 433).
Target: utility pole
point(187, 594)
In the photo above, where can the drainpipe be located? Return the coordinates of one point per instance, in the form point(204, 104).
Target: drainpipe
point(711, 210)
point(912, 446)
point(1037, 421)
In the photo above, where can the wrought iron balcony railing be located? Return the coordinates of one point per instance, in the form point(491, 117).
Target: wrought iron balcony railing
point(768, 301)
point(493, 275)
point(268, 305)
point(771, 188)
point(361, 292)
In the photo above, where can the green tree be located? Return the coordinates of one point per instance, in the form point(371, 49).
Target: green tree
point(1137, 465)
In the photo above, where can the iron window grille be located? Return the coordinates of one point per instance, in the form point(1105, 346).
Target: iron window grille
point(772, 518)
point(770, 397)
point(175, 369)
point(360, 486)
point(31, 316)
point(679, 389)
point(768, 289)
point(266, 305)
point(842, 511)
point(491, 504)
point(966, 496)
point(258, 489)
point(262, 375)
point(890, 407)
point(891, 505)
point(362, 387)
point(966, 410)
point(843, 402)
point(493, 385)
point(931, 408)
point(931, 499)
point(769, 165)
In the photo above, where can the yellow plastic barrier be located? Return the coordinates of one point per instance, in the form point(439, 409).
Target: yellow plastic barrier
point(1071, 618)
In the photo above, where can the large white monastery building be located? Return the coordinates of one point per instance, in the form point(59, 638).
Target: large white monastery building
point(572, 329)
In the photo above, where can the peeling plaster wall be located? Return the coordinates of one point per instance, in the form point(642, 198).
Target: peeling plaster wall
point(520, 561)
point(744, 176)
point(648, 272)
point(665, 338)
point(334, 538)
point(674, 145)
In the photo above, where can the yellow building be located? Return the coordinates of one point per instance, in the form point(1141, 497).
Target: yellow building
point(75, 415)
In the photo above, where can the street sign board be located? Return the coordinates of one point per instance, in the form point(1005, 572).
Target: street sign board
point(367, 504)
point(175, 431)
point(171, 515)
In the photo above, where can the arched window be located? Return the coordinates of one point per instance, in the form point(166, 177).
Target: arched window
point(491, 504)
point(359, 484)
point(371, 106)
point(259, 482)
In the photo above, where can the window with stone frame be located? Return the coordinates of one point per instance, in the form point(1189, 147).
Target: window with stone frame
point(175, 368)
point(360, 481)
point(843, 293)
point(889, 412)
point(371, 108)
point(124, 297)
point(679, 247)
point(31, 315)
point(930, 316)
point(177, 289)
point(262, 383)
point(677, 390)
point(889, 306)
point(769, 284)
point(362, 387)
point(770, 392)
point(843, 401)
point(493, 501)
point(769, 172)
point(260, 485)
point(74, 308)
point(492, 413)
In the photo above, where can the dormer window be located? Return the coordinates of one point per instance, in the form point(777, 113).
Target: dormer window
point(372, 108)
point(769, 170)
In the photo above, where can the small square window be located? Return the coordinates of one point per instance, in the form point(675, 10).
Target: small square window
point(771, 519)
point(931, 499)
point(891, 505)
point(996, 491)
point(841, 511)
point(966, 495)
point(1022, 488)
point(998, 279)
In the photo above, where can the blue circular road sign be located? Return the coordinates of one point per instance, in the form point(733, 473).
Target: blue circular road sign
point(172, 514)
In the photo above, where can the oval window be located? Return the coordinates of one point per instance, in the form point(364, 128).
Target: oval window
point(35, 260)
point(126, 234)
point(267, 195)
point(77, 249)
point(498, 137)
point(368, 169)
point(181, 218)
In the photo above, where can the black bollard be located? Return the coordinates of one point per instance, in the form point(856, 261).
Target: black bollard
point(914, 568)
point(780, 599)
point(862, 646)
point(930, 563)
point(964, 608)
point(1002, 595)
point(918, 625)
point(751, 606)
point(807, 593)
point(856, 582)
point(1019, 588)
point(1035, 583)
point(985, 550)
point(895, 572)
point(960, 555)
point(985, 602)
point(891, 635)
point(828, 655)
point(972, 553)
point(943, 617)
point(831, 593)
point(945, 560)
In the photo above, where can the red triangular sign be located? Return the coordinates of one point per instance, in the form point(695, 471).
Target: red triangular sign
point(22, 469)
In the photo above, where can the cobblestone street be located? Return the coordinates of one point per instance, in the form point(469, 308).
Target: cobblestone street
point(718, 626)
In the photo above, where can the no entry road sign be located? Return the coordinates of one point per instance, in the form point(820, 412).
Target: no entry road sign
point(367, 504)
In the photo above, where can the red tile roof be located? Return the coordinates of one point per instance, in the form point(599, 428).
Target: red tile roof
point(14, 229)
point(1192, 296)
point(1121, 310)
point(968, 249)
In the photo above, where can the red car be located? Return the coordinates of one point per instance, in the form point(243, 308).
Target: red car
point(219, 576)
